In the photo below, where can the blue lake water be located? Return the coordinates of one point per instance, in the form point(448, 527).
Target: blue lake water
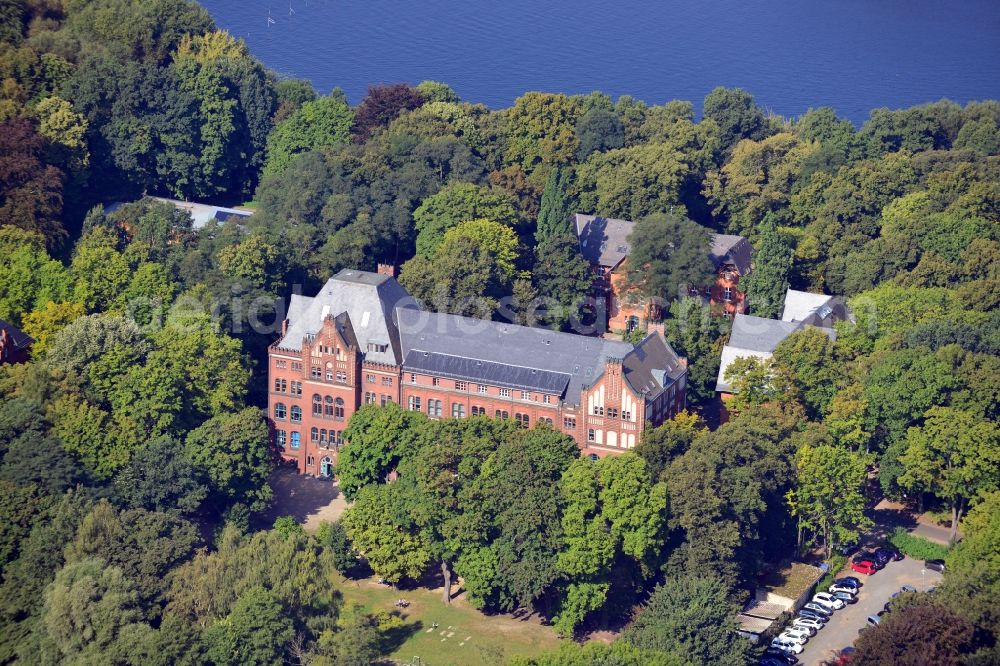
point(853, 55)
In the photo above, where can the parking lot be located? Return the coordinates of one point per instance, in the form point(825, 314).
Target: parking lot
point(842, 629)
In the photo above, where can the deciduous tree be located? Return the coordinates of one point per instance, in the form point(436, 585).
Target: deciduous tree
point(829, 498)
point(954, 455)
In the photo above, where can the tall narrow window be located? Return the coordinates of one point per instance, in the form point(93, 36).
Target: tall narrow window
point(296, 414)
point(295, 439)
point(317, 404)
point(328, 406)
point(279, 438)
point(338, 410)
point(279, 410)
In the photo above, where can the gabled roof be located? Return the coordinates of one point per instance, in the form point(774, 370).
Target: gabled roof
point(19, 338)
point(488, 372)
point(508, 346)
point(756, 337)
point(603, 240)
point(652, 366)
point(729, 249)
point(758, 333)
point(368, 299)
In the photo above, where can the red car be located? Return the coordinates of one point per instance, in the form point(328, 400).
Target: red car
point(866, 567)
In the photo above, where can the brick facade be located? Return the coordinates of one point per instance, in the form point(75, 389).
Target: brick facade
point(316, 384)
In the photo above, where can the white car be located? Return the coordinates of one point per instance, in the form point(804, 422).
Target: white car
point(843, 588)
point(828, 600)
point(786, 645)
point(795, 634)
point(815, 625)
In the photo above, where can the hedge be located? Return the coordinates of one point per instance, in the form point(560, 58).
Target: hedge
point(917, 547)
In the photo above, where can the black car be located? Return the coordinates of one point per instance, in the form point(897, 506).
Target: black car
point(893, 553)
point(783, 657)
point(934, 565)
point(846, 549)
point(871, 557)
point(881, 558)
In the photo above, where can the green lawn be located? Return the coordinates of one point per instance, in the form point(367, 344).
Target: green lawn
point(463, 637)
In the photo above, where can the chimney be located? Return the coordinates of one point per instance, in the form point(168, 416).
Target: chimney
point(387, 269)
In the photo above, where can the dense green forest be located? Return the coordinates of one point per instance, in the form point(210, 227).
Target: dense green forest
point(135, 455)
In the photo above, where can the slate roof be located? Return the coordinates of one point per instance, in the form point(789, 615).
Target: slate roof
point(517, 356)
point(652, 366)
point(729, 249)
point(368, 300)
point(603, 240)
point(755, 337)
point(374, 308)
point(495, 374)
point(758, 333)
point(17, 336)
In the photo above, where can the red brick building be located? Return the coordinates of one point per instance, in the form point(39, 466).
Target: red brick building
point(362, 339)
point(15, 344)
point(604, 243)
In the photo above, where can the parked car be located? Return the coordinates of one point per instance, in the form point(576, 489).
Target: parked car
point(803, 621)
point(890, 552)
point(846, 597)
point(847, 589)
point(771, 661)
point(812, 615)
point(874, 620)
point(849, 580)
point(797, 635)
point(934, 565)
point(818, 608)
point(880, 558)
point(786, 645)
point(847, 548)
point(868, 556)
point(829, 600)
point(866, 567)
point(803, 627)
point(782, 656)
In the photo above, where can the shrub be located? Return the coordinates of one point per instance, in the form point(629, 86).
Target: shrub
point(836, 563)
point(916, 547)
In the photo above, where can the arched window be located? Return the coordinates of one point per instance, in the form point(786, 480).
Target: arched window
point(296, 414)
point(279, 439)
point(295, 439)
point(279, 410)
point(339, 411)
point(314, 435)
point(328, 406)
point(322, 434)
point(317, 404)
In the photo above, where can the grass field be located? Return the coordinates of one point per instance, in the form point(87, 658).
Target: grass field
point(463, 637)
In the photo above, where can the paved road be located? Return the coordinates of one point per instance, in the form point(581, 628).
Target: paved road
point(842, 629)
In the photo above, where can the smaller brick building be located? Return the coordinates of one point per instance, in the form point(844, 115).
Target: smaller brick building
point(15, 344)
point(363, 340)
point(604, 243)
